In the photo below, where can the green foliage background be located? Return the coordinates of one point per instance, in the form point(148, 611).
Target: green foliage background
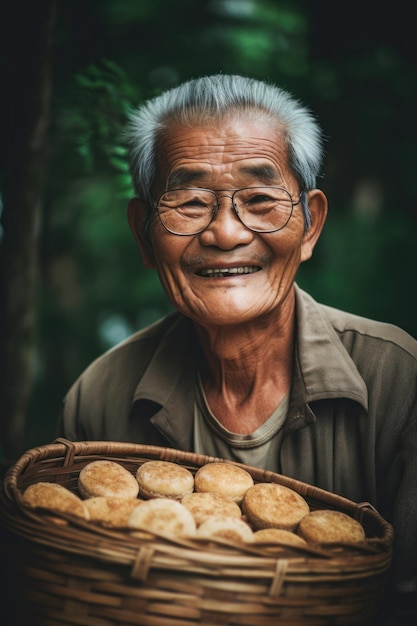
point(352, 64)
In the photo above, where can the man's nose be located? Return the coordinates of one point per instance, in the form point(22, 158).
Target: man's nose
point(226, 231)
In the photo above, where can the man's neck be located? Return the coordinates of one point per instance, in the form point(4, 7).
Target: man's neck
point(246, 369)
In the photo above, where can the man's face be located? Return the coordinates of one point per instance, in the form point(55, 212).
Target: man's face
point(227, 156)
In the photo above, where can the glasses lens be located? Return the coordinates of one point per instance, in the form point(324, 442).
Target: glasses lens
point(263, 209)
point(186, 211)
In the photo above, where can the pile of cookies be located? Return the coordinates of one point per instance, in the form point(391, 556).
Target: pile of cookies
point(219, 501)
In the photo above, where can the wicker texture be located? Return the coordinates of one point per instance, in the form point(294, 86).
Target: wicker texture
point(66, 571)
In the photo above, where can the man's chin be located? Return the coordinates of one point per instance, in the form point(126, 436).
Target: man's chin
point(223, 318)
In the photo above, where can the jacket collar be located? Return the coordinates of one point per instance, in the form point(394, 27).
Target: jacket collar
point(323, 369)
point(326, 368)
point(169, 382)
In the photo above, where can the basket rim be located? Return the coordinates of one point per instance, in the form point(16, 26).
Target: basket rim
point(77, 551)
point(67, 450)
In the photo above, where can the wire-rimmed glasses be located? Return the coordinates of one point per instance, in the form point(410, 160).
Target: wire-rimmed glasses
point(190, 211)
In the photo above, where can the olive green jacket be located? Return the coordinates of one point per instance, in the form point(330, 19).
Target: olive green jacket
point(352, 421)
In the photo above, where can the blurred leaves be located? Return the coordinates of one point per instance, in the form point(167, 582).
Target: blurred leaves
point(92, 116)
point(258, 34)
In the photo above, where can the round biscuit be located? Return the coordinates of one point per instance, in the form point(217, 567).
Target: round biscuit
point(229, 528)
point(163, 516)
point(54, 497)
point(326, 526)
point(164, 479)
point(106, 478)
point(111, 511)
point(225, 479)
point(269, 505)
point(279, 537)
point(204, 505)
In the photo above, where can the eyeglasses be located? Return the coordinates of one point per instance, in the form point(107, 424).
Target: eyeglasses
point(190, 211)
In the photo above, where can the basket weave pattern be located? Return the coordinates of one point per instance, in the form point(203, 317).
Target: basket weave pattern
point(64, 571)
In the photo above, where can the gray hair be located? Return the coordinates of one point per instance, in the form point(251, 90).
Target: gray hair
point(216, 97)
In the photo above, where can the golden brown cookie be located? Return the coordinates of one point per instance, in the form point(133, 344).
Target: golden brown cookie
point(54, 497)
point(106, 478)
point(328, 526)
point(164, 479)
point(278, 536)
point(163, 516)
point(269, 505)
point(203, 505)
point(225, 479)
point(229, 528)
point(111, 511)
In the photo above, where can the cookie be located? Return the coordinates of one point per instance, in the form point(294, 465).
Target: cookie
point(111, 511)
point(164, 479)
point(225, 479)
point(269, 505)
point(163, 516)
point(54, 497)
point(106, 478)
point(229, 528)
point(278, 536)
point(326, 526)
point(203, 505)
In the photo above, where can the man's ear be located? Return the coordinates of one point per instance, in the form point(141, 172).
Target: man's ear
point(317, 203)
point(137, 211)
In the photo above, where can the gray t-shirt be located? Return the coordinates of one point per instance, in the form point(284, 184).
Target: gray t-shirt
point(260, 448)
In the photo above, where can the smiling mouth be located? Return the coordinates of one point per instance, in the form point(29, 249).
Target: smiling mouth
point(229, 271)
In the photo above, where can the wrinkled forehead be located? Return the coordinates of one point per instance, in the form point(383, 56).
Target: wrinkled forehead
point(229, 142)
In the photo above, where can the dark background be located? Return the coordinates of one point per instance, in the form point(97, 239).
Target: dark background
point(71, 279)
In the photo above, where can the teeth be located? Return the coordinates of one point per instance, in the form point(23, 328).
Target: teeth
point(246, 269)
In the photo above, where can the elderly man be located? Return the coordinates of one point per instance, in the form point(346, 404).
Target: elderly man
point(250, 367)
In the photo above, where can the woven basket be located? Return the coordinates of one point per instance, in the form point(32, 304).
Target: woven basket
point(61, 570)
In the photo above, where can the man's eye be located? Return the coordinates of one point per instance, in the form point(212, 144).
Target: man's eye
point(260, 199)
point(192, 209)
point(260, 203)
point(194, 203)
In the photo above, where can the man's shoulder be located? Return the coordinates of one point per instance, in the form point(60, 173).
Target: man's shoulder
point(355, 331)
point(349, 325)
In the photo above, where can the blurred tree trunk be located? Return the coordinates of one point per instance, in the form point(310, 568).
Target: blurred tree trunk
point(26, 92)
